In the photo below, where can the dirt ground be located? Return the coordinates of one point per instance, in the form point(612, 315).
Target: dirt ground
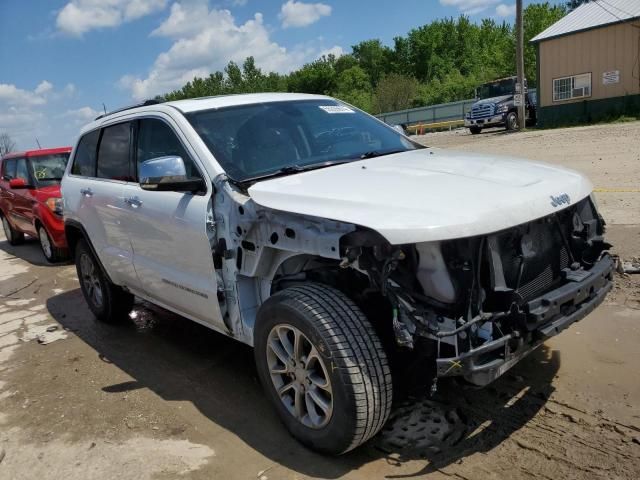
point(164, 398)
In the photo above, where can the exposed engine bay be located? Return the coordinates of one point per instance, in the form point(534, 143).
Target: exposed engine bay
point(479, 304)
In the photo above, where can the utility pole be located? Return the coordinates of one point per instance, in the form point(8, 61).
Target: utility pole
point(520, 62)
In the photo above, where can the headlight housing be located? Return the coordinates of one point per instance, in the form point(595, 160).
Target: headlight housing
point(502, 108)
point(55, 205)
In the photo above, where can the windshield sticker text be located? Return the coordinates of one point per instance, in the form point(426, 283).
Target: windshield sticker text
point(336, 109)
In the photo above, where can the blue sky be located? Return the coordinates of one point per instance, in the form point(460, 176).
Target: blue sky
point(62, 59)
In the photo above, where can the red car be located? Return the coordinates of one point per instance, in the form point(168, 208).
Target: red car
point(30, 200)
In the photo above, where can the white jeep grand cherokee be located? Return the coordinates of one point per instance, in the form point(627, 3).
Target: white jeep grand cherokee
point(334, 245)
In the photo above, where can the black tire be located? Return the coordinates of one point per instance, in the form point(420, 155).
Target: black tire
point(14, 237)
point(116, 303)
point(49, 250)
point(475, 130)
point(356, 364)
point(512, 121)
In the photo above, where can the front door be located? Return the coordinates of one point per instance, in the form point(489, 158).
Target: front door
point(168, 231)
point(23, 199)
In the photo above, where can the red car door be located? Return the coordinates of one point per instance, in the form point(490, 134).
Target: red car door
point(23, 199)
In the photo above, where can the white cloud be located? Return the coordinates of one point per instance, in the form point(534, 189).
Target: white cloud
point(336, 51)
point(503, 10)
point(469, 7)
point(27, 114)
point(80, 16)
point(205, 40)
point(43, 88)
point(81, 115)
point(12, 95)
point(300, 14)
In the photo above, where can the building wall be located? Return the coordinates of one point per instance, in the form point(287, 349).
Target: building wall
point(614, 47)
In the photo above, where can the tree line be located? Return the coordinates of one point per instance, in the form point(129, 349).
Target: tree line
point(439, 62)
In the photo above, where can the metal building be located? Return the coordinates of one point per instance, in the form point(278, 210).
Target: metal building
point(589, 64)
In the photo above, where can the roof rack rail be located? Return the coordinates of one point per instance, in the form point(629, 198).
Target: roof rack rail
point(142, 104)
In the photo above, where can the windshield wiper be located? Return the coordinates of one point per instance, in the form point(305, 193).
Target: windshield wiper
point(296, 169)
point(49, 179)
point(376, 153)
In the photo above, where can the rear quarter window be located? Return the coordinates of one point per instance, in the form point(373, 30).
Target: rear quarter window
point(84, 162)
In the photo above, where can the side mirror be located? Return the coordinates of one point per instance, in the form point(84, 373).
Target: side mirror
point(19, 183)
point(167, 174)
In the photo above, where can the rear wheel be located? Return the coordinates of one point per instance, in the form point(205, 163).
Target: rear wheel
point(49, 250)
point(13, 236)
point(323, 367)
point(512, 121)
point(108, 302)
point(475, 130)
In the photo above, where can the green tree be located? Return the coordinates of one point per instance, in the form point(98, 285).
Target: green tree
point(354, 86)
point(373, 57)
point(536, 18)
point(395, 92)
point(316, 77)
point(573, 4)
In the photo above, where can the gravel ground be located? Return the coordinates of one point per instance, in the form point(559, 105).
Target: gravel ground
point(164, 398)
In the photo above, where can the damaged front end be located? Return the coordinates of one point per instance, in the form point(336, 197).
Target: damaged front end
point(481, 304)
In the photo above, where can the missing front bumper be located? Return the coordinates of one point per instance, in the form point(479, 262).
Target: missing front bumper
point(547, 316)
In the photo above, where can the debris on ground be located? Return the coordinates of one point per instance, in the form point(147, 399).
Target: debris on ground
point(44, 334)
point(630, 267)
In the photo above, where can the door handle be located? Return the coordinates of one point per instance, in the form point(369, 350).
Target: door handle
point(87, 192)
point(134, 202)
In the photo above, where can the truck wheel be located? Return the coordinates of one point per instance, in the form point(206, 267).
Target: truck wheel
point(108, 302)
point(13, 236)
point(50, 251)
point(512, 121)
point(323, 367)
point(475, 130)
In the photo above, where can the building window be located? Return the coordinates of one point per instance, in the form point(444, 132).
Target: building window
point(576, 86)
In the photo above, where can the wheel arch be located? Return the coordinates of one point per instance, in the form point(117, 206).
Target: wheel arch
point(74, 232)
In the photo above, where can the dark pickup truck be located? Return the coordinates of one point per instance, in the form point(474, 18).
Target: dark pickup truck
point(496, 106)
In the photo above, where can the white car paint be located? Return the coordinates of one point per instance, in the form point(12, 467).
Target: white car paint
point(426, 195)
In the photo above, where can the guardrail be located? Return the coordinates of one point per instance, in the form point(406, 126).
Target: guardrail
point(431, 114)
point(435, 116)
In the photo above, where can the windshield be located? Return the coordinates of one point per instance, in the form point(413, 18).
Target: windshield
point(497, 89)
point(260, 140)
point(49, 169)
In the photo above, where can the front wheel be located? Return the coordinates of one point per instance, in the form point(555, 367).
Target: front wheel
point(512, 121)
point(49, 250)
point(108, 302)
point(13, 236)
point(475, 130)
point(323, 367)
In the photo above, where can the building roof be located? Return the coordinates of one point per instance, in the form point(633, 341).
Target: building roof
point(593, 14)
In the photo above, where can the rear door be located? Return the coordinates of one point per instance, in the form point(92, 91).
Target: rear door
point(93, 193)
point(168, 230)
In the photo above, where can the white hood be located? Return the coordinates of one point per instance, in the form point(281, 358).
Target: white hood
point(426, 195)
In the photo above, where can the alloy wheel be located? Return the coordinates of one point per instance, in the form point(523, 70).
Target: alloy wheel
point(7, 228)
point(299, 376)
point(45, 243)
point(91, 280)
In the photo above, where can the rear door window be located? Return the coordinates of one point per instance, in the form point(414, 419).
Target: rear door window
point(9, 169)
point(84, 162)
point(114, 152)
